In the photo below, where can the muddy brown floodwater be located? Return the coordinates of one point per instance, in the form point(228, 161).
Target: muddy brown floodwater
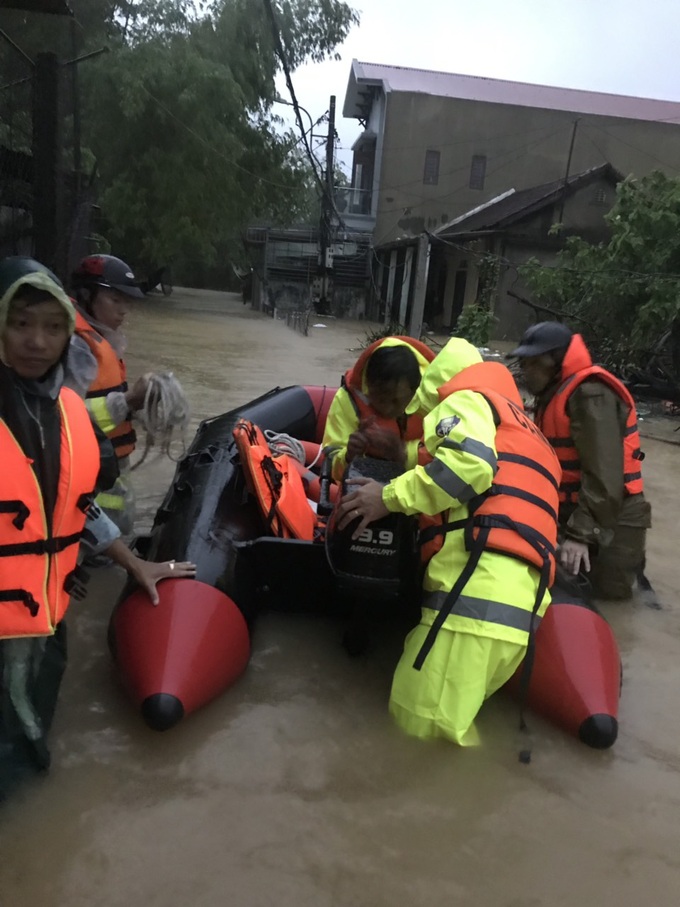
point(294, 788)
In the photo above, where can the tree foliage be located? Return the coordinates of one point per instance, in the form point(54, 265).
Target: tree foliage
point(178, 118)
point(623, 294)
point(180, 121)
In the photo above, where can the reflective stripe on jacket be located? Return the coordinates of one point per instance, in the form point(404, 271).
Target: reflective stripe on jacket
point(111, 376)
point(554, 421)
point(38, 567)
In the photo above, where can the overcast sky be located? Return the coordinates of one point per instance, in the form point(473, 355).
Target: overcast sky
point(618, 46)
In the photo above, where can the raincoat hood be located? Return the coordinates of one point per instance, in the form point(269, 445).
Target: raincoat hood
point(457, 355)
point(18, 271)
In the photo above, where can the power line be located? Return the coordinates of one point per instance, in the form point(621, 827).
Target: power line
point(203, 141)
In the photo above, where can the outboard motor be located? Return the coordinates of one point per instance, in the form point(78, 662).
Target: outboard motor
point(379, 572)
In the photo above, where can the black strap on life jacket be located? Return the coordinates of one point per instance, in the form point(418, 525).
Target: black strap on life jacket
point(18, 507)
point(20, 595)
point(130, 437)
point(41, 546)
point(430, 532)
point(274, 480)
point(84, 502)
point(104, 392)
point(452, 597)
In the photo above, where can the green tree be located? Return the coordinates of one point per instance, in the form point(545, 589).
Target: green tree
point(179, 119)
point(178, 116)
point(623, 294)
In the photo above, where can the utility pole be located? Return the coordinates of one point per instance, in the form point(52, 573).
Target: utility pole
point(326, 223)
point(566, 173)
point(47, 195)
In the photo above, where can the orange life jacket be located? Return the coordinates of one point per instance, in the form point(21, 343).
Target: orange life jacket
point(277, 484)
point(554, 421)
point(410, 428)
point(518, 515)
point(37, 567)
point(111, 376)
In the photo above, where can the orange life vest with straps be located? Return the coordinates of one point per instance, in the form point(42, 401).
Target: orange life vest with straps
point(554, 421)
point(277, 484)
point(410, 428)
point(38, 568)
point(517, 516)
point(111, 376)
point(520, 508)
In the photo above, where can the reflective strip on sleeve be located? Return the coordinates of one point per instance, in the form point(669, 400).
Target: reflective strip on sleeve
point(100, 413)
point(476, 448)
point(450, 482)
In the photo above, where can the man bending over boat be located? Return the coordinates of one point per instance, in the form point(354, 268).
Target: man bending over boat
point(367, 414)
point(489, 494)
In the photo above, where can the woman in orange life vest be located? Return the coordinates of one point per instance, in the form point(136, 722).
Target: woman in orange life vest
point(589, 417)
point(51, 463)
point(104, 286)
point(494, 478)
point(367, 413)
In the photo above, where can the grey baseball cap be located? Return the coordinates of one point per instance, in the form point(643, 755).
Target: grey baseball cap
point(543, 338)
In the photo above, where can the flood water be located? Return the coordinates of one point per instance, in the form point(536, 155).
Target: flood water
point(294, 789)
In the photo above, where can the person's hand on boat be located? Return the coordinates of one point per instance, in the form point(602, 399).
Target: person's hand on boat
point(574, 556)
point(364, 502)
point(356, 445)
point(385, 445)
point(149, 573)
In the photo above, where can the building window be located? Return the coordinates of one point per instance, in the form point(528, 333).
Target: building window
point(477, 171)
point(600, 198)
point(431, 169)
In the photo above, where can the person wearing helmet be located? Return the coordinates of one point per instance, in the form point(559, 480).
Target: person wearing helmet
point(490, 493)
point(51, 468)
point(590, 418)
point(104, 286)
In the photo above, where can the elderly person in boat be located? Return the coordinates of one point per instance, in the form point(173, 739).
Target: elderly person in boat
point(367, 415)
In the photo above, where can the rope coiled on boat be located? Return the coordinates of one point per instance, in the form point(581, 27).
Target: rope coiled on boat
point(280, 443)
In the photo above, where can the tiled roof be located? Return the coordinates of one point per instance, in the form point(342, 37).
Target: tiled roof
point(364, 76)
point(512, 205)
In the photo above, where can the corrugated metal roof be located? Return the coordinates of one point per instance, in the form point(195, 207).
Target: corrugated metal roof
point(364, 76)
point(512, 206)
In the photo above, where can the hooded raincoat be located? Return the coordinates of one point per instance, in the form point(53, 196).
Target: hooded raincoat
point(484, 638)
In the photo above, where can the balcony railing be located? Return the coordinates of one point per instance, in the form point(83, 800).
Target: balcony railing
point(349, 200)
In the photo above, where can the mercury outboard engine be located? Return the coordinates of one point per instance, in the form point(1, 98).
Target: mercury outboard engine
point(379, 572)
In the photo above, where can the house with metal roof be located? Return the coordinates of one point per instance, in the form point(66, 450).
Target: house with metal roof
point(475, 163)
point(434, 145)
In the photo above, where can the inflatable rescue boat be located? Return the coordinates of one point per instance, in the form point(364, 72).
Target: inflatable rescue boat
point(258, 524)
